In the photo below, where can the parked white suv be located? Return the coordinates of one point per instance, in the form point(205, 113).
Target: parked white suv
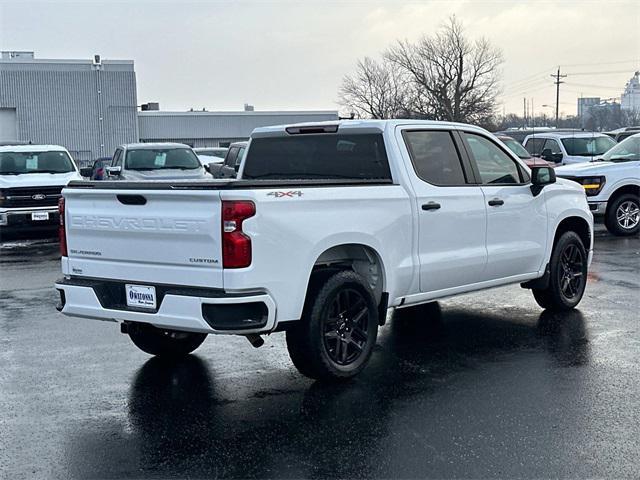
point(612, 184)
point(567, 147)
point(330, 228)
point(31, 179)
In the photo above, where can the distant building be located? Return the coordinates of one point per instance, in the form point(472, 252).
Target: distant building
point(213, 129)
point(87, 106)
point(630, 99)
point(585, 103)
point(90, 107)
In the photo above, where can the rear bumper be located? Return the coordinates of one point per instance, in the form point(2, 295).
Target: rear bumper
point(179, 308)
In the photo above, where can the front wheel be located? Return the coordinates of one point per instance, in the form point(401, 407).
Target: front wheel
point(337, 332)
point(623, 215)
point(568, 275)
point(163, 342)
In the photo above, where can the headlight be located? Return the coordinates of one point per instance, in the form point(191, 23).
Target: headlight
point(592, 185)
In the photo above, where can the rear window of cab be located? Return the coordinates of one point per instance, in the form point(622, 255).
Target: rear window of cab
point(322, 156)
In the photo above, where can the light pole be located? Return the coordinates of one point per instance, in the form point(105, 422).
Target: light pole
point(549, 106)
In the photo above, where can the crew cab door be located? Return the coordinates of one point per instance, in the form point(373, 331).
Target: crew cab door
point(451, 210)
point(516, 219)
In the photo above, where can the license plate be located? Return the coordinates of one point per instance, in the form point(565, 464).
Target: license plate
point(141, 296)
point(39, 216)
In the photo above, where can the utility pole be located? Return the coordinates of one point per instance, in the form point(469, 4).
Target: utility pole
point(524, 111)
point(557, 76)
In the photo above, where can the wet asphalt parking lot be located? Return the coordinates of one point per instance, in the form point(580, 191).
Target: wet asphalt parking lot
point(485, 385)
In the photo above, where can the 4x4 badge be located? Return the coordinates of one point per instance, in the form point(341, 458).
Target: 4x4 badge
point(290, 193)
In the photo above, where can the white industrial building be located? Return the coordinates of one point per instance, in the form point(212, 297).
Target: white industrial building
point(217, 129)
point(630, 99)
point(90, 107)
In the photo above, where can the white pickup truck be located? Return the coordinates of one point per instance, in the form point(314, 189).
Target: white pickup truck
point(612, 185)
point(31, 179)
point(331, 228)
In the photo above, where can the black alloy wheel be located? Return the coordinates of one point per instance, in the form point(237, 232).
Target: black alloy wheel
point(345, 327)
point(571, 276)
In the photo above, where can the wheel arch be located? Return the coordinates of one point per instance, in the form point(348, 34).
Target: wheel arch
point(362, 258)
point(576, 224)
point(622, 190)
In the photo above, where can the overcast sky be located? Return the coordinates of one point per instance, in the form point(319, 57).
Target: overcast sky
point(279, 54)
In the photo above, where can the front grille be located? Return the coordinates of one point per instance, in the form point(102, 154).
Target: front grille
point(31, 197)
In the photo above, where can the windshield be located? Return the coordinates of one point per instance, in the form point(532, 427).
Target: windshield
point(587, 146)
point(161, 158)
point(626, 151)
point(516, 148)
point(18, 163)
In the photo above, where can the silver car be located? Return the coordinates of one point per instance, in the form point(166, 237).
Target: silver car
point(155, 161)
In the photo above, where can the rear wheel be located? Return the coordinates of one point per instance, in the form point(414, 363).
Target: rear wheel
point(623, 215)
point(568, 275)
point(337, 332)
point(163, 342)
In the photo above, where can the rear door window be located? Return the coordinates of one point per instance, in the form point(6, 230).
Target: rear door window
point(435, 157)
point(553, 146)
point(318, 156)
point(534, 146)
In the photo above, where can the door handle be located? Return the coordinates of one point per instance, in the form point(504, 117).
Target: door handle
point(431, 206)
point(496, 202)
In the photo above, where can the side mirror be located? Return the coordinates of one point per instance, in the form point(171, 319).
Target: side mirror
point(540, 177)
point(114, 171)
point(86, 172)
point(551, 157)
point(207, 168)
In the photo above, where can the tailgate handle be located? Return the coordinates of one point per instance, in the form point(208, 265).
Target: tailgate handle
point(132, 199)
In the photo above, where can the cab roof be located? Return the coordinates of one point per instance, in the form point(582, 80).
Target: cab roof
point(567, 134)
point(32, 148)
point(153, 146)
point(343, 126)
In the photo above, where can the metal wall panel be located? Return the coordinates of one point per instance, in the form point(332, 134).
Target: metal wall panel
point(209, 128)
point(88, 110)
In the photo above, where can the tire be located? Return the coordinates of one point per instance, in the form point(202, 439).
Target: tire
point(162, 342)
point(335, 337)
point(568, 275)
point(623, 215)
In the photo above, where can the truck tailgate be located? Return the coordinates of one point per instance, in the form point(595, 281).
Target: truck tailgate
point(160, 236)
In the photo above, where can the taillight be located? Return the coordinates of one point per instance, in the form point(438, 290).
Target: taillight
point(62, 235)
point(236, 246)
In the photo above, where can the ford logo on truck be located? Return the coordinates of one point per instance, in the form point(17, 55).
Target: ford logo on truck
point(142, 224)
point(38, 196)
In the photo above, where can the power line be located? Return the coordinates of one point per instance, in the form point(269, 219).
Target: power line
point(599, 73)
point(615, 62)
point(589, 85)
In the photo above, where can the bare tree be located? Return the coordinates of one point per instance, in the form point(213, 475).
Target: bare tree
point(453, 77)
point(376, 90)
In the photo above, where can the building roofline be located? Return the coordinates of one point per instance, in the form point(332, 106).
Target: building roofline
point(63, 61)
point(157, 113)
